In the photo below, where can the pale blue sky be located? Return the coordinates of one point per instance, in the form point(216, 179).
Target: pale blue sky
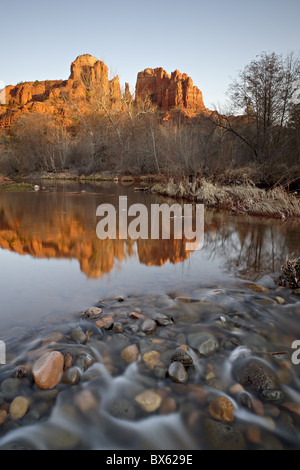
point(208, 40)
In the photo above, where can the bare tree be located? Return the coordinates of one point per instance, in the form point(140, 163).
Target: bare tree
point(262, 95)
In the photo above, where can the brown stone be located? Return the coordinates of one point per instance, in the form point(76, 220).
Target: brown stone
point(222, 409)
point(86, 401)
point(47, 370)
point(130, 353)
point(104, 321)
point(149, 400)
point(168, 406)
point(53, 337)
point(253, 434)
point(18, 407)
point(68, 361)
point(3, 416)
point(137, 315)
point(293, 407)
point(152, 359)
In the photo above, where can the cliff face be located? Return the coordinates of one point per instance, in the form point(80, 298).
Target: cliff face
point(169, 91)
point(88, 80)
point(88, 85)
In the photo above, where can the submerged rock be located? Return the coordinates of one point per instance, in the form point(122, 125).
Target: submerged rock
point(205, 343)
point(78, 335)
point(18, 407)
point(47, 370)
point(177, 372)
point(130, 353)
point(122, 408)
point(92, 313)
point(10, 387)
point(3, 416)
point(163, 320)
point(71, 376)
point(149, 400)
point(222, 409)
point(152, 359)
point(255, 374)
point(272, 395)
point(181, 354)
point(149, 326)
point(223, 436)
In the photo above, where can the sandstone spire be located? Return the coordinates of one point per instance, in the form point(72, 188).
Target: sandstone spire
point(169, 91)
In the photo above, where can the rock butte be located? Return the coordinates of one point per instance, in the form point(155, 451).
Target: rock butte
point(89, 83)
point(168, 91)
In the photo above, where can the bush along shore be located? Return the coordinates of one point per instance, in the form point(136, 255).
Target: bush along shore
point(243, 198)
point(290, 274)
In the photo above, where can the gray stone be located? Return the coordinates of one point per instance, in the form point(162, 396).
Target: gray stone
point(177, 372)
point(148, 326)
point(58, 438)
point(118, 327)
point(163, 320)
point(71, 376)
point(119, 342)
point(272, 395)
point(78, 335)
point(9, 387)
point(205, 343)
point(255, 374)
point(182, 356)
point(122, 409)
point(222, 436)
point(92, 313)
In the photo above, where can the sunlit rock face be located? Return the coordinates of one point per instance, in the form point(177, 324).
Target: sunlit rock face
point(87, 84)
point(88, 88)
point(91, 75)
point(169, 91)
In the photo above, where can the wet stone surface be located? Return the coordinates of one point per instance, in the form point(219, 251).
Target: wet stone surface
point(209, 364)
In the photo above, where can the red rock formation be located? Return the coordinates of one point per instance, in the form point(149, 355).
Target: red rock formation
point(88, 85)
point(169, 91)
point(88, 80)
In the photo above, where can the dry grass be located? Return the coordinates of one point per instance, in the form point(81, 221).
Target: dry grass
point(245, 198)
point(290, 276)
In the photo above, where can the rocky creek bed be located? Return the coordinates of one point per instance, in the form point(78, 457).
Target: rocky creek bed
point(210, 368)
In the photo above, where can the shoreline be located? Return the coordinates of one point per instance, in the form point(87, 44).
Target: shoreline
point(243, 198)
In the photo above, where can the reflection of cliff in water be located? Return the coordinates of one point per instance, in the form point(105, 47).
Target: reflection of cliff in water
point(63, 225)
point(57, 225)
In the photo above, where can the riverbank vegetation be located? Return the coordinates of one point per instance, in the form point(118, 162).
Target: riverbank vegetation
point(16, 186)
point(290, 273)
point(243, 198)
point(223, 157)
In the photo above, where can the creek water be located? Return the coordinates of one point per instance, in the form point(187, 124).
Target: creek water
point(54, 267)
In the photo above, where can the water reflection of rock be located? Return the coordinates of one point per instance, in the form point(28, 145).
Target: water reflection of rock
point(57, 225)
